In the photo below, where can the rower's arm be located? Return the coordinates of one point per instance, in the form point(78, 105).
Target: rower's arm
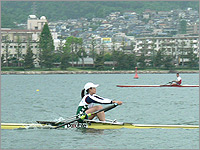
point(98, 99)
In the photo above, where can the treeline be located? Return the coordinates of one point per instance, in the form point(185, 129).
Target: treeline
point(73, 51)
point(17, 12)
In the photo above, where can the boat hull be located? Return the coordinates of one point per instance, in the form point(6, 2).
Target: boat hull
point(21, 125)
point(157, 85)
point(95, 125)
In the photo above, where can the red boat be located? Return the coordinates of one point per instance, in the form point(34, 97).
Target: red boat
point(157, 85)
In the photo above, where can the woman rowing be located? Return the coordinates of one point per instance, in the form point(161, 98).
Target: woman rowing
point(87, 103)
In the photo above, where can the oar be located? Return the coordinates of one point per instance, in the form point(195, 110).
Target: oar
point(90, 114)
point(168, 83)
point(69, 118)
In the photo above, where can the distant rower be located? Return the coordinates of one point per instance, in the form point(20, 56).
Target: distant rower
point(178, 81)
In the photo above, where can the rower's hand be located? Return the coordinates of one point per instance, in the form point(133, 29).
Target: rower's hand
point(118, 102)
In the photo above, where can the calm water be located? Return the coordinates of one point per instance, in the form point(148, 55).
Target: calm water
point(59, 96)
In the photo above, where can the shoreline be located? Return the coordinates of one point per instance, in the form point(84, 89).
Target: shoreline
point(94, 72)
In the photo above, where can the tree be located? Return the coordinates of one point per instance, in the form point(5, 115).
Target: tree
point(7, 52)
point(182, 50)
point(28, 60)
point(71, 43)
point(168, 62)
point(93, 44)
point(46, 48)
point(159, 59)
point(65, 57)
point(2, 60)
point(77, 42)
point(183, 26)
point(113, 51)
point(153, 45)
point(81, 53)
point(193, 58)
point(122, 60)
point(19, 50)
point(99, 62)
point(131, 61)
point(141, 61)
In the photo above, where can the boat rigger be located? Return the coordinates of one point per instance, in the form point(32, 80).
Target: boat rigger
point(157, 85)
point(92, 124)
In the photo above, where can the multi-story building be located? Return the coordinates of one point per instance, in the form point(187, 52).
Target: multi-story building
point(193, 29)
point(14, 40)
point(177, 47)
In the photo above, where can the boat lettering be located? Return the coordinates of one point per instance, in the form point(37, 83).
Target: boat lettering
point(76, 125)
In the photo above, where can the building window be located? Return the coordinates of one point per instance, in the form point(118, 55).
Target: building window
point(11, 46)
point(23, 46)
point(2, 46)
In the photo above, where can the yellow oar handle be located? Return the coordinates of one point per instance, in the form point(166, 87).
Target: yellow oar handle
point(83, 116)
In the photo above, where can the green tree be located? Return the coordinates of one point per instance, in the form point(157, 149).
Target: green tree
point(7, 52)
point(99, 62)
point(93, 53)
point(122, 60)
point(131, 61)
point(113, 51)
point(182, 51)
point(28, 59)
point(193, 58)
point(46, 48)
point(19, 51)
point(141, 61)
point(82, 54)
point(71, 42)
point(2, 60)
point(159, 59)
point(168, 62)
point(65, 57)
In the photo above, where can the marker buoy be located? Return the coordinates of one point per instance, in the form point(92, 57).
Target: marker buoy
point(136, 76)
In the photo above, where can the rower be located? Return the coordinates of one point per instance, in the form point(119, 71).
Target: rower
point(87, 103)
point(178, 81)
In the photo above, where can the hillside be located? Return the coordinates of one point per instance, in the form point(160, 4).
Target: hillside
point(16, 11)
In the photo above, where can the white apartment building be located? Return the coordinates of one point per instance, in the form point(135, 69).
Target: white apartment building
point(175, 46)
point(13, 39)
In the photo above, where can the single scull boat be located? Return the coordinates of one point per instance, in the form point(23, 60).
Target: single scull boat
point(74, 123)
point(92, 124)
point(157, 85)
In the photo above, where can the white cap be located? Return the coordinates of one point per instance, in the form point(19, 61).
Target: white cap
point(89, 85)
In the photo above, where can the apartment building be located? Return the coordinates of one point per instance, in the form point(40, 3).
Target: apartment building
point(13, 39)
point(192, 28)
point(174, 46)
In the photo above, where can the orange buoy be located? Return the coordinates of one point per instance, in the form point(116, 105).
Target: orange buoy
point(136, 76)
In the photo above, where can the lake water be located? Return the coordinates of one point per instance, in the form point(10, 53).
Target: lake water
point(59, 96)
